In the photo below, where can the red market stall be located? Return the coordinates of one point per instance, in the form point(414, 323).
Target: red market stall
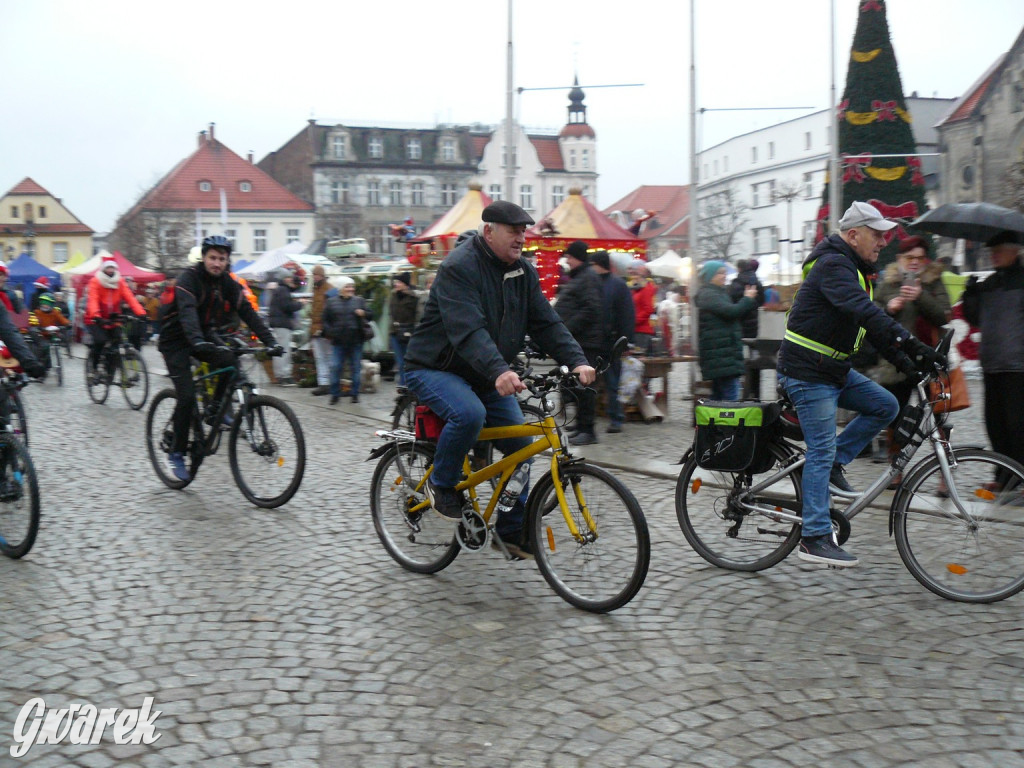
point(439, 238)
point(576, 219)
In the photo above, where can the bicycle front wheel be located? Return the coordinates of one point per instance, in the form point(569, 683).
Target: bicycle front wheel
point(419, 540)
point(18, 416)
point(603, 565)
point(134, 379)
point(723, 533)
point(19, 498)
point(160, 440)
point(97, 383)
point(973, 559)
point(267, 452)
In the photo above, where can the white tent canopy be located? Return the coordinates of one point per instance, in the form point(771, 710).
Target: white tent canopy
point(667, 265)
point(271, 260)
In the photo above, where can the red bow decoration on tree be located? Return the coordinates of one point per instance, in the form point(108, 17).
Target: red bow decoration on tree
point(853, 165)
point(870, 5)
point(841, 111)
point(914, 163)
point(906, 211)
point(886, 110)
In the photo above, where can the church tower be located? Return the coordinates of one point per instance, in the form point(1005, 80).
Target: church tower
point(577, 139)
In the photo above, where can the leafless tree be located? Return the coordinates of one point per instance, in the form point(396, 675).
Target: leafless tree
point(155, 239)
point(722, 215)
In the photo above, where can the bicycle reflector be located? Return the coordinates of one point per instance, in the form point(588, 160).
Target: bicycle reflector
point(956, 568)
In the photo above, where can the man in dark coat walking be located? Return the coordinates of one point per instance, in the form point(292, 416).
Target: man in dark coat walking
point(619, 320)
point(747, 276)
point(581, 306)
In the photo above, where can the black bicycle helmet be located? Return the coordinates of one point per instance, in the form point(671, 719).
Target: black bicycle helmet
point(216, 241)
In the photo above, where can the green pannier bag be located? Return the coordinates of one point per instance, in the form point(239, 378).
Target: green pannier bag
point(734, 437)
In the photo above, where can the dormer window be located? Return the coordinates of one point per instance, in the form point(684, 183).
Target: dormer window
point(413, 149)
point(376, 147)
point(205, 186)
point(338, 144)
point(245, 186)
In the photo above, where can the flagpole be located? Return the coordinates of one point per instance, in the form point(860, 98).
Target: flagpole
point(834, 196)
point(510, 154)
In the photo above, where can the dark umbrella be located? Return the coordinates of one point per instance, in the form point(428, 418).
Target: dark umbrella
point(971, 221)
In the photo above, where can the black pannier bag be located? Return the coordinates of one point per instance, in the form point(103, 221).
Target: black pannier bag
point(734, 437)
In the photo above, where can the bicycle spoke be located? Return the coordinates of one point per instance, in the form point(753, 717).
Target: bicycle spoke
point(19, 499)
point(267, 452)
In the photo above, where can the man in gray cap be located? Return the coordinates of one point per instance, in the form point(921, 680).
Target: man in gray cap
point(484, 301)
point(831, 314)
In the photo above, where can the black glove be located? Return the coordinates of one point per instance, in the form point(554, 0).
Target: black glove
point(35, 370)
point(275, 351)
point(906, 366)
point(208, 347)
point(925, 357)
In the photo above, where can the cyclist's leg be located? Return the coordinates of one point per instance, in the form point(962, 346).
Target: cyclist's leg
point(179, 368)
point(816, 407)
point(217, 359)
point(99, 338)
point(876, 407)
point(504, 410)
point(451, 398)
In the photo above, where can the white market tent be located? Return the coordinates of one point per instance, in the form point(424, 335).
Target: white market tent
point(667, 265)
point(271, 260)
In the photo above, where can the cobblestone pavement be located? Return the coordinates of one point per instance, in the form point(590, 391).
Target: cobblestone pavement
point(290, 638)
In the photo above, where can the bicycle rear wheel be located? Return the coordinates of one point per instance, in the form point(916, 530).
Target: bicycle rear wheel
point(19, 498)
point(267, 452)
point(604, 568)
point(721, 532)
point(420, 541)
point(980, 560)
point(98, 385)
point(160, 440)
point(134, 379)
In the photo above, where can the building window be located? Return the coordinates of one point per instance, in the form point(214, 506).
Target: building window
point(205, 186)
point(245, 186)
point(229, 234)
point(448, 149)
point(808, 185)
point(753, 154)
point(335, 192)
point(557, 196)
point(771, 150)
point(572, 159)
point(395, 191)
point(526, 197)
point(504, 157)
point(725, 164)
point(706, 172)
point(292, 235)
point(807, 140)
point(60, 253)
point(42, 211)
point(413, 149)
point(766, 240)
point(585, 159)
point(376, 147)
point(762, 194)
point(259, 240)
point(417, 193)
point(716, 167)
point(448, 194)
point(373, 193)
point(339, 147)
point(494, 191)
point(14, 211)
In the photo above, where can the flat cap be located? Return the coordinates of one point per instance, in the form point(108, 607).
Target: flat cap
point(864, 215)
point(504, 212)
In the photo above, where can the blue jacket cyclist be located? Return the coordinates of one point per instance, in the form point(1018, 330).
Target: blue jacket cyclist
point(832, 313)
point(486, 298)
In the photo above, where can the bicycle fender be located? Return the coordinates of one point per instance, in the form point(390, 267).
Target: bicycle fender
point(686, 456)
point(379, 451)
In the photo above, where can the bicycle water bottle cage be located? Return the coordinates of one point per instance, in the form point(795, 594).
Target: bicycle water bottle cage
point(428, 424)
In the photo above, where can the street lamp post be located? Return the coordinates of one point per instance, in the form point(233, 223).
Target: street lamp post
point(787, 193)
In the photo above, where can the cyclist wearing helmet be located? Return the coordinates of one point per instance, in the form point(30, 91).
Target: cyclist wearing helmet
point(205, 298)
point(48, 313)
point(108, 292)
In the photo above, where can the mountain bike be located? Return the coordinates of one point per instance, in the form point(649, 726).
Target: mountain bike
point(122, 365)
point(266, 447)
point(19, 488)
point(45, 344)
point(955, 517)
point(589, 535)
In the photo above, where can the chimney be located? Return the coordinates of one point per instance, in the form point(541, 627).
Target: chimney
point(250, 157)
point(202, 138)
point(211, 131)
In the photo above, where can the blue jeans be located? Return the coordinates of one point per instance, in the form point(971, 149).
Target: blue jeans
point(353, 353)
point(465, 412)
point(816, 406)
point(725, 388)
point(398, 346)
point(611, 390)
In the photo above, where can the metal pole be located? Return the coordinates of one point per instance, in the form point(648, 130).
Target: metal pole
point(510, 154)
point(834, 197)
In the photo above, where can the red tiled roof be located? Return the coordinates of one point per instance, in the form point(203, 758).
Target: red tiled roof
point(576, 130)
point(670, 202)
point(215, 163)
point(480, 142)
point(548, 152)
point(28, 187)
point(969, 102)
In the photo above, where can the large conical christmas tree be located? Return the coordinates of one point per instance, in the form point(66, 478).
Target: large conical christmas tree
point(874, 121)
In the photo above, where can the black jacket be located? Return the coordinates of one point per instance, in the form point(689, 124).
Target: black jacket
point(204, 304)
point(619, 313)
point(829, 308)
point(283, 308)
point(341, 323)
point(478, 314)
point(749, 322)
point(580, 305)
point(997, 307)
point(403, 308)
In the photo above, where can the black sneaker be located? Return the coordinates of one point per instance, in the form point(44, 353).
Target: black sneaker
point(837, 481)
point(824, 551)
point(447, 502)
point(583, 438)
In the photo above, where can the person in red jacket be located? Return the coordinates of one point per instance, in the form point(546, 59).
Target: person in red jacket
point(644, 290)
point(108, 292)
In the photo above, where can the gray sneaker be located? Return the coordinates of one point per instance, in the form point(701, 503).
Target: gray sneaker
point(824, 551)
point(837, 482)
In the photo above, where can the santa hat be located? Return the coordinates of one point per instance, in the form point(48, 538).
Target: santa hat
point(3, 269)
point(42, 282)
point(108, 261)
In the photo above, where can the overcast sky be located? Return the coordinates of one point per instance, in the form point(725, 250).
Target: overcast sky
point(102, 98)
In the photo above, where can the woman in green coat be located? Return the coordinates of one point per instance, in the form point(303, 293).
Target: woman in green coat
point(720, 345)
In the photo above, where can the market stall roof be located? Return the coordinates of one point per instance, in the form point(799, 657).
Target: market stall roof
point(271, 260)
point(465, 214)
point(138, 274)
point(576, 218)
point(25, 270)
